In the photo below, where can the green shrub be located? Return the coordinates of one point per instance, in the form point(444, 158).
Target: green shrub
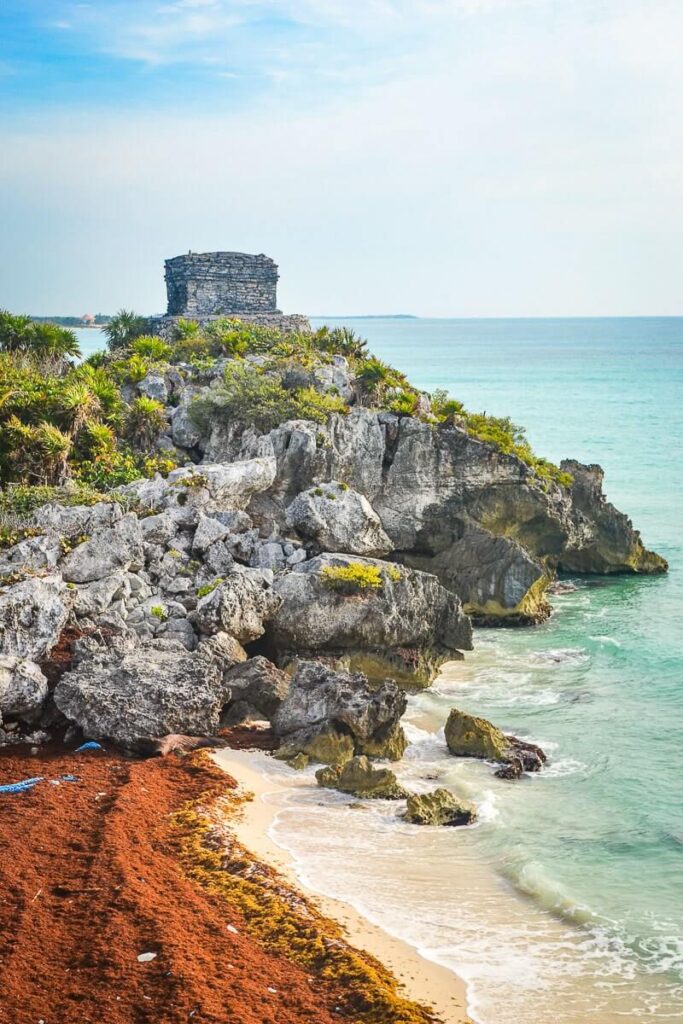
point(352, 578)
point(145, 420)
point(159, 612)
point(250, 395)
point(444, 408)
point(374, 378)
point(20, 334)
point(340, 341)
point(209, 588)
point(151, 347)
point(403, 403)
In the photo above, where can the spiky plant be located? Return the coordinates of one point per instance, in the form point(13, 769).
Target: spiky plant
point(123, 328)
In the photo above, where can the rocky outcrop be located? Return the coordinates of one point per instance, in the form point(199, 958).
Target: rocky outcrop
point(343, 709)
point(360, 779)
point(148, 690)
point(408, 627)
point(498, 581)
point(608, 544)
point(440, 807)
point(480, 519)
point(32, 616)
point(336, 518)
point(467, 736)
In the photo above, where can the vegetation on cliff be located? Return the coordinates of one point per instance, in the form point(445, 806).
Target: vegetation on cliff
point(92, 423)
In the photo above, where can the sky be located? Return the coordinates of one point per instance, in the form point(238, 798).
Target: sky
point(435, 157)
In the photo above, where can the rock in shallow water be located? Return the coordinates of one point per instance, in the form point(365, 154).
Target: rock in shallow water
point(440, 807)
point(467, 736)
point(359, 778)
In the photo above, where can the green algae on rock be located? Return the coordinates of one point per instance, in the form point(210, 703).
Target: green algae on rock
point(359, 778)
point(440, 807)
point(468, 736)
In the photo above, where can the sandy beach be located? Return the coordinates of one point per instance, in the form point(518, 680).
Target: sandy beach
point(423, 980)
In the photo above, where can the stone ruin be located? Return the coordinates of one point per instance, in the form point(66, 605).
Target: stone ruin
point(206, 286)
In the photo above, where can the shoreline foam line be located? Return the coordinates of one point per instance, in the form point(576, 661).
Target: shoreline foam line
point(423, 980)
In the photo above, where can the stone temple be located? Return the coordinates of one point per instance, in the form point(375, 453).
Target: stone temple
point(205, 286)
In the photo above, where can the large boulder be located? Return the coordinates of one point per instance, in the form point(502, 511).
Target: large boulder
point(468, 736)
point(440, 807)
point(259, 684)
point(128, 694)
point(33, 614)
point(407, 626)
point(337, 518)
point(109, 549)
point(239, 605)
point(230, 484)
point(23, 687)
point(320, 698)
point(359, 778)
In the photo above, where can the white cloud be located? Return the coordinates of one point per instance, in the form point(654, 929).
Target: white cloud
point(522, 164)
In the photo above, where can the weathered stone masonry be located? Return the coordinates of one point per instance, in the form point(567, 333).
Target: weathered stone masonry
point(206, 286)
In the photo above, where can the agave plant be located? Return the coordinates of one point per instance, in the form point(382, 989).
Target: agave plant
point(373, 378)
point(145, 420)
point(151, 347)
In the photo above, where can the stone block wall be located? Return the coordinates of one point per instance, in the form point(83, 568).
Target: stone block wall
point(221, 283)
point(165, 326)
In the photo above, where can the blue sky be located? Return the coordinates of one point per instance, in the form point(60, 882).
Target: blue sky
point(442, 157)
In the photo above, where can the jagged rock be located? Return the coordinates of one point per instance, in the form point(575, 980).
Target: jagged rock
point(467, 736)
point(326, 743)
point(440, 807)
point(226, 648)
point(32, 553)
point(268, 556)
point(33, 614)
point(76, 520)
point(319, 697)
point(155, 689)
point(184, 430)
point(23, 687)
point(154, 386)
point(239, 606)
point(207, 533)
point(359, 778)
point(609, 544)
point(119, 547)
point(409, 627)
point(94, 598)
point(496, 579)
point(338, 518)
point(259, 683)
point(231, 484)
point(158, 529)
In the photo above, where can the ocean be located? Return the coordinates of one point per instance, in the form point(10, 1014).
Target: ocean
point(565, 902)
